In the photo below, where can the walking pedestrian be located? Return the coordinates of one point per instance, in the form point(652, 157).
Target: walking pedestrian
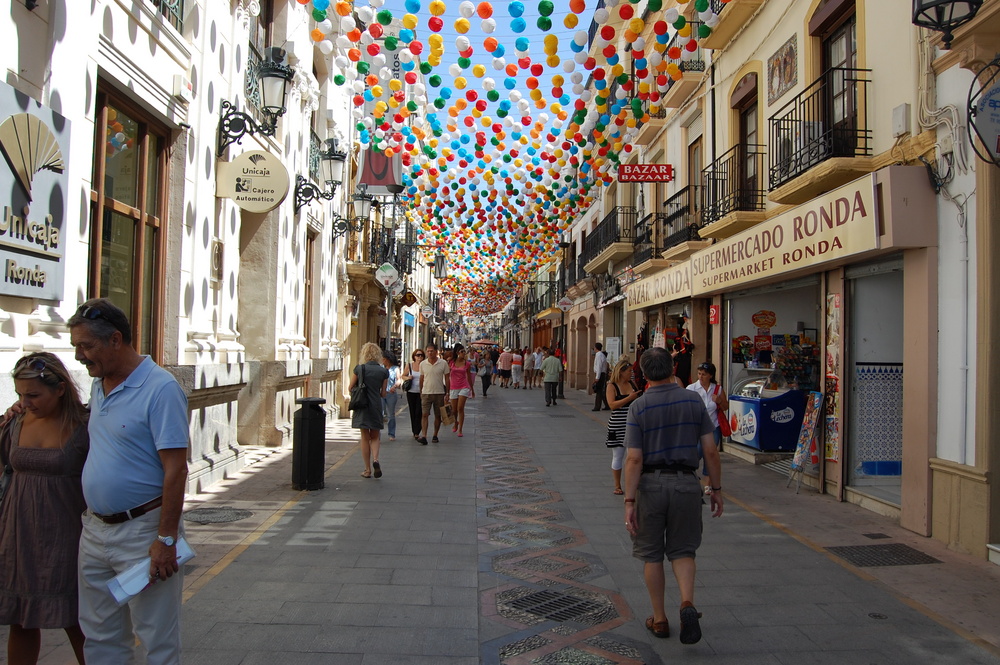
point(621, 392)
point(412, 374)
point(462, 386)
point(133, 482)
point(600, 377)
point(504, 363)
point(485, 372)
point(663, 497)
point(369, 419)
point(551, 367)
point(391, 395)
point(434, 381)
point(46, 446)
point(539, 357)
point(529, 368)
point(711, 394)
point(517, 368)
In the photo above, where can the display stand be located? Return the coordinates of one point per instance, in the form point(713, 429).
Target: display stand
point(807, 448)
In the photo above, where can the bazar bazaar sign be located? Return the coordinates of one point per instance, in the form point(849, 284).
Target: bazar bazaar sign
point(840, 224)
point(645, 172)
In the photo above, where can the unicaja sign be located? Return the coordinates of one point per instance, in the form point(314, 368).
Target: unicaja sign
point(256, 181)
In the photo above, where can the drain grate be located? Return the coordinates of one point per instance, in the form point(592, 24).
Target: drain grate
point(895, 554)
point(216, 515)
point(876, 536)
point(555, 606)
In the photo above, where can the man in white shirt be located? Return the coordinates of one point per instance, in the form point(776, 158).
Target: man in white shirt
point(600, 378)
point(434, 379)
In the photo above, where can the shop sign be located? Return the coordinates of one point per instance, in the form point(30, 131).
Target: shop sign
point(714, 315)
point(764, 318)
point(645, 172)
point(409, 320)
point(35, 142)
point(256, 181)
point(673, 283)
point(836, 225)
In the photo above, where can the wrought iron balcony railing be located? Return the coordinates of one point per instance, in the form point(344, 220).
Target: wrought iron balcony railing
point(647, 240)
point(734, 182)
point(571, 273)
point(825, 120)
point(617, 226)
point(172, 11)
point(315, 150)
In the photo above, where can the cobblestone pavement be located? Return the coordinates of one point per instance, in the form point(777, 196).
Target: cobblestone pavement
point(507, 547)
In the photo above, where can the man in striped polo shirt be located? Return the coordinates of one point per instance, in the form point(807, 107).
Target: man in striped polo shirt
point(662, 434)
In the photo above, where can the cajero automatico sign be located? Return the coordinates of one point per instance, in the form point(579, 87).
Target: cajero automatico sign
point(256, 181)
point(34, 141)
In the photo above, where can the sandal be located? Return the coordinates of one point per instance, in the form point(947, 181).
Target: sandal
point(619, 490)
point(378, 468)
point(658, 628)
point(366, 474)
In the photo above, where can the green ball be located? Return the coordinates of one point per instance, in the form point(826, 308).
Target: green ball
point(464, 63)
point(425, 68)
point(680, 22)
point(544, 23)
point(546, 7)
point(655, 5)
point(701, 5)
point(391, 43)
point(501, 113)
point(319, 15)
point(411, 106)
point(435, 80)
point(340, 79)
point(704, 31)
point(363, 67)
point(439, 103)
point(623, 78)
point(384, 17)
point(495, 141)
point(360, 126)
point(493, 95)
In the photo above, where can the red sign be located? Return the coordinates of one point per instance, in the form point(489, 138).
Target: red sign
point(762, 342)
point(714, 315)
point(645, 172)
point(764, 319)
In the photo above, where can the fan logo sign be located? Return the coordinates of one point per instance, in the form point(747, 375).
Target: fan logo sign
point(645, 173)
point(256, 181)
point(33, 141)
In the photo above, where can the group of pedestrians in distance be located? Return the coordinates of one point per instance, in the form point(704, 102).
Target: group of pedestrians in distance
point(91, 493)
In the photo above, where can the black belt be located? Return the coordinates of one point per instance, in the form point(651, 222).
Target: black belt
point(138, 511)
point(667, 468)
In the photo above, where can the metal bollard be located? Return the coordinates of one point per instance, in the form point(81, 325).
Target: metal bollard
point(309, 444)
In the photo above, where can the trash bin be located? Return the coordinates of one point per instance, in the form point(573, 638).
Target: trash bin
point(309, 444)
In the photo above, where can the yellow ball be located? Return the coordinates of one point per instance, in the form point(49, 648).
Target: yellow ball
point(377, 91)
point(462, 25)
point(410, 21)
point(685, 31)
point(617, 70)
point(571, 21)
point(535, 94)
point(435, 41)
point(552, 61)
point(637, 25)
point(485, 121)
point(395, 85)
point(479, 71)
point(460, 83)
point(434, 60)
point(558, 80)
point(437, 7)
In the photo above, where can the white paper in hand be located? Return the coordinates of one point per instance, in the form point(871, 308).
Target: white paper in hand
point(135, 580)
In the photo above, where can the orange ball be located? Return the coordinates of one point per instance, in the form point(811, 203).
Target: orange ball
point(343, 8)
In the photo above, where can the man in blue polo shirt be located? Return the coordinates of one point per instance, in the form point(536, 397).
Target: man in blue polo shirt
point(133, 481)
point(663, 497)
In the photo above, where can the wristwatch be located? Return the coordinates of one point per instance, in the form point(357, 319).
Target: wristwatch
point(166, 540)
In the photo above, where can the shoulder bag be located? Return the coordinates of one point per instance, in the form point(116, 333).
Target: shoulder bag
point(724, 428)
point(6, 471)
point(359, 393)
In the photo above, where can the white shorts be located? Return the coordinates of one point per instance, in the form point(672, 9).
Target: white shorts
point(464, 392)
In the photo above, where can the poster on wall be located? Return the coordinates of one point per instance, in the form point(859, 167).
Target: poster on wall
point(806, 457)
point(832, 384)
point(34, 141)
point(783, 69)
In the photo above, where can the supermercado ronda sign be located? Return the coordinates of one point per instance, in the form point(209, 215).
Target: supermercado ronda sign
point(837, 225)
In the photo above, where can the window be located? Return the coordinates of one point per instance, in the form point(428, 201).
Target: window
point(173, 11)
point(260, 37)
point(307, 290)
point(127, 217)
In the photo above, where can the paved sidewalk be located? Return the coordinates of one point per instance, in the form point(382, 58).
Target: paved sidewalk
point(507, 546)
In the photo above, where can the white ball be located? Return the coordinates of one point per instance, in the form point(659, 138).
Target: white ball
point(466, 9)
point(325, 26)
point(326, 47)
point(488, 26)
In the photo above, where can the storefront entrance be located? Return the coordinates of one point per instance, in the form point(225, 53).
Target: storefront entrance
point(875, 374)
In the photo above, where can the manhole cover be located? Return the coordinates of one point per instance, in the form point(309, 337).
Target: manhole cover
point(882, 555)
point(555, 606)
point(216, 515)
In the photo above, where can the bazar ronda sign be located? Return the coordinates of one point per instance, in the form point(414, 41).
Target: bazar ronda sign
point(840, 224)
point(256, 181)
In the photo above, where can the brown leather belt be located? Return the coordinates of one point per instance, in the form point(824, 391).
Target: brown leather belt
point(138, 511)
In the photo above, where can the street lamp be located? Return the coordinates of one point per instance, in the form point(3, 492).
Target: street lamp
point(362, 204)
point(274, 77)
point(944, 15)
point(331, 163)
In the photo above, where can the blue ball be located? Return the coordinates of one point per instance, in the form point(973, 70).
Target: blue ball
point(515, 8)
point(522, 43)
point(518, 25)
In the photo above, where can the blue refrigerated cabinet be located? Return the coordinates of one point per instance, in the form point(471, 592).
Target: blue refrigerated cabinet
point(763, 413)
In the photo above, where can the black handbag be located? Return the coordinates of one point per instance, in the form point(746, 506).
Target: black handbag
point(359, 393)
point(6, 472)
point(407, 385)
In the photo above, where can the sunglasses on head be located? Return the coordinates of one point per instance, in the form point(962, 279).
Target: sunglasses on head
point(705, 366)
point(34, 363)
point(91, 313)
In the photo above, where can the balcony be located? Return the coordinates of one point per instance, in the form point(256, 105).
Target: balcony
point(693, 66)
point(732, 16)
point(680, 233)
point(733, 192)
point(652, 127)
point(648, 244)
point(820, 139)
point(611, 241)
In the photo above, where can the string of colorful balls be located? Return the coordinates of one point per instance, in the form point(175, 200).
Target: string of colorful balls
point(485, 178)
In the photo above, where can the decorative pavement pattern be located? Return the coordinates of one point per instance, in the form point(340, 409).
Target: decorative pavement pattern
point(536, 592)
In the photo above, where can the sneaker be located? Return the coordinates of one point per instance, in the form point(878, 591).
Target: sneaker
point(422, 440)
point(690, 627)
point(659, 628)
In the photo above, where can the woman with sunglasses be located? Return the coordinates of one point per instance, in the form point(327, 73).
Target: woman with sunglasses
point(411, 373)
point(46, 444)
point(621, 392)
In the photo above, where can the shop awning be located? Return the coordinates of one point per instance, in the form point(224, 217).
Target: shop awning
point(549, 314)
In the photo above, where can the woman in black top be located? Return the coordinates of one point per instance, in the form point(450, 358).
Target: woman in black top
point(621, 392)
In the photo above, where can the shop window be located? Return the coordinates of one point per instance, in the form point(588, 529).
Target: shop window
point(127, 217)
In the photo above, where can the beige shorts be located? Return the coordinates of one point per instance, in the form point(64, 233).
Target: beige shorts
point(429, 403)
